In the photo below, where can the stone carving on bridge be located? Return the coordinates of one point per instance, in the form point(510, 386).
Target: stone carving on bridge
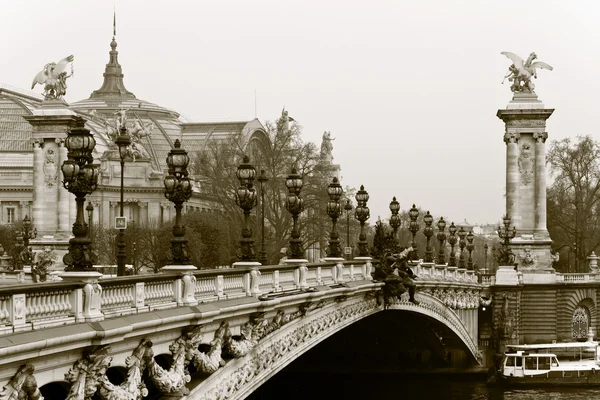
point(22, 386)
point(173, 380)
point(528, 259)
point(270, 354)
point(133, 388)
point(86, 373)
point(50, 167)
point(457, 299)
point(212, 360)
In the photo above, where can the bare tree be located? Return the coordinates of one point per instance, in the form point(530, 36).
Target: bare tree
point(573, 199)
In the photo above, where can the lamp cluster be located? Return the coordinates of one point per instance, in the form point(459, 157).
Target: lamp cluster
point(506, 234)
point(295, 205)
point(246, 199)
point(362, 213)
point(80, 178)
point(334, 210)
point(178, 189)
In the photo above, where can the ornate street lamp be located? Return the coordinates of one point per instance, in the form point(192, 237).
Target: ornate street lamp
point(441, 236)
point(506, 234)
point(334, 210)
point(413, 227)
point(362, 213)
point(80, 178)
point(123, 141)
point(17, 260)
point(246, 199)
point(178, 189)
point(295, 205)
point(470, 248)
point(348, 208)
point(262, 178)
point(452, 240)
point(462, 243)
point(428, 232)
point(395, 219)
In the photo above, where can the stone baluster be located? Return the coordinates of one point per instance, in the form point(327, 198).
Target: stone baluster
point(302, 274)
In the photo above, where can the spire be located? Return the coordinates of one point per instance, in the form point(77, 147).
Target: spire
point(113, 86)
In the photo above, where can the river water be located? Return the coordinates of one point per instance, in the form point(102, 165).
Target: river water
point(403, 387)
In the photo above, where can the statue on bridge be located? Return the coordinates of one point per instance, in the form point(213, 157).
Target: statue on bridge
point(397, 276)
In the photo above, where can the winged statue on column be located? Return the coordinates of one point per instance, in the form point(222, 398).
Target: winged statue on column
point(54, 78)
point(521, 72)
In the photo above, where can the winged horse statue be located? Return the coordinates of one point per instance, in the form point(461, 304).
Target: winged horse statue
point(54, 78)
point(520, 73)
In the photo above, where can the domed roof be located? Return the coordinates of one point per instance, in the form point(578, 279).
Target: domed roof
point(102, 106)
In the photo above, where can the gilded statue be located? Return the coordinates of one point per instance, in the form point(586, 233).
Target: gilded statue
point(520, 73)
point(54, 78)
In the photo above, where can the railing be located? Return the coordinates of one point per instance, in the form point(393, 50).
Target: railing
point(34, 306)
point(577, 278)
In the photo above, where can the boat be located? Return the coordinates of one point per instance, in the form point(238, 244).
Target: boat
point(571, 364)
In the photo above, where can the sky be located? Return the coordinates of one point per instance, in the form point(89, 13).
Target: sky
point(408, 89)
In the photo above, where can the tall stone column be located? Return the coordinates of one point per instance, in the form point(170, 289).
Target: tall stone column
point(540, 184)
point(512, 176)
point(64, 197)
point(38, 183)
point(525, 121)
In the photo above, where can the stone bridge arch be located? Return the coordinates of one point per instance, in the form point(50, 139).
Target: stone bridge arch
point(241, 376)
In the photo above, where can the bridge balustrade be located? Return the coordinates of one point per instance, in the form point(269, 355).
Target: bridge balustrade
point(26, 307)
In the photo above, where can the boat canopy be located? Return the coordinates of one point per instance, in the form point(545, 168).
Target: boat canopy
point(566, 345)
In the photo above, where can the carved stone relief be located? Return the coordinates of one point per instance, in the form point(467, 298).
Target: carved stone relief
point(525, 164)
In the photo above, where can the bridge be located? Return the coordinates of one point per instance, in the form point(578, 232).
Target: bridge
point(210, 334)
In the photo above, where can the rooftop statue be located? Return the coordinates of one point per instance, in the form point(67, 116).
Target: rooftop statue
point(137, 130)
point(520, 73)
point(54, 78)
point(327, 145)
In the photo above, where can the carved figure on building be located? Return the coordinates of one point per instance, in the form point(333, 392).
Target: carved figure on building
point(525, 164)
point(327, 146)
point(54, 78)
point(555, 257)
point(520, 73)
point(528, 259)
point(50, 167)
point(507, 319)
point(136, 129)
point(22, 386)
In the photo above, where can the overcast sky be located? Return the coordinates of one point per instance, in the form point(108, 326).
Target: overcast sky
point(409, 89)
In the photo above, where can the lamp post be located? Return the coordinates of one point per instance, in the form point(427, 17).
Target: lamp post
point(262, 178)
point(470, 247)
point(413, 227)
point(246, 199)
point(362, 213)
point(506, 234)
point(334, 210)
point(295, 205)
point(348, 208)
point(90, 212)
point(123, 141)
point(178, 189)
point(462, 243)
point(80, 178)
point(428, 232)
point(17, 260)
point(441, 236)
point(452, 240)
point(395, 219)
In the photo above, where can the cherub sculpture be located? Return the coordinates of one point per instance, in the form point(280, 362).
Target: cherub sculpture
point(54, 78)
point(520, 73)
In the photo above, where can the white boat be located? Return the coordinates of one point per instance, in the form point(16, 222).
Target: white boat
point(573, 363)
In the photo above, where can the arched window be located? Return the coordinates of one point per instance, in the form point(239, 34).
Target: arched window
point(580, 323)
